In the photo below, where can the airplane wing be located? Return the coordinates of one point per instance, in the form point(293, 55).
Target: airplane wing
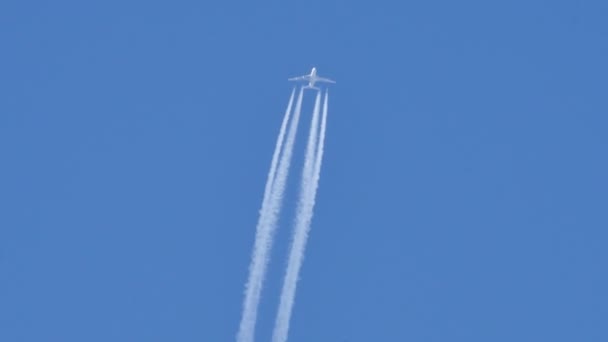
point(299, 78)
point(321, 79)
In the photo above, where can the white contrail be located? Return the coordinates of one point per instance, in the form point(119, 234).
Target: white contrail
point(277, 150)
point(310, 179)
point(320, 145)
point(271, 206)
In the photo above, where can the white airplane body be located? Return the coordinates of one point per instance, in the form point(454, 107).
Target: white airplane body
point(311, 78)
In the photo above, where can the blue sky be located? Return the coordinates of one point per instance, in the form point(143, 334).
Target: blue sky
point(463, 194)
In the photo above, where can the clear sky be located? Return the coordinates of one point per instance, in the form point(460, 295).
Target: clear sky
point(463, 195)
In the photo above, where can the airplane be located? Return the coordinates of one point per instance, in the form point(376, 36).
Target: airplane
point(311, 78)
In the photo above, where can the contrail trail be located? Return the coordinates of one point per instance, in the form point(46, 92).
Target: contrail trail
point(271, 207)
point(277, 150)
point(320, 145)
point(310, 180)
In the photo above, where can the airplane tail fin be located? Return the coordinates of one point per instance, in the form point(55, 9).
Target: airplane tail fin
point(310, 87)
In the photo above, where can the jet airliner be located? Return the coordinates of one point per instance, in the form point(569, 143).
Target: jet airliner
point(311, 78)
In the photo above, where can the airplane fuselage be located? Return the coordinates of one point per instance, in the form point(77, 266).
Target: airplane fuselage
point(313, 78)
